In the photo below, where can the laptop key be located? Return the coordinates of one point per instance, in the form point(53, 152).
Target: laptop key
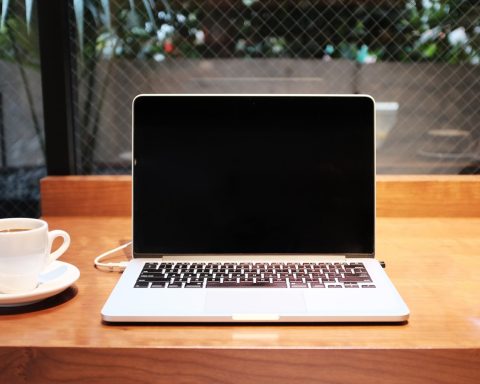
point(158, 285)
point(156, 281)
point(217, 284)
point(354, 279)
point(142, 284)
point(279, 284)
point(262, 284)
point(151, 270)
point(194, 285)
point(298, 285)
point(175, 285)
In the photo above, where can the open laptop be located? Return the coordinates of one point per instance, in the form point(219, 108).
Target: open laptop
point(254, 208)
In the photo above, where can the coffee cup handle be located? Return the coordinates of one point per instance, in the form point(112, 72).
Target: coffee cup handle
point(52, 235)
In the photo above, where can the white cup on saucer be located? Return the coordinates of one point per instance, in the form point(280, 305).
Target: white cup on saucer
point(25, 251)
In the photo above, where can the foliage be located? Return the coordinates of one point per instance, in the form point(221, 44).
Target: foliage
point(169, 33)
point(418, 30)
point(19, 46)
point(442, 30)
point(141, 32)
point(14, 36)
point(147, 32)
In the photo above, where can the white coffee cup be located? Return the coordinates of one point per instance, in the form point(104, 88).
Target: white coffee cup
point(25, 246)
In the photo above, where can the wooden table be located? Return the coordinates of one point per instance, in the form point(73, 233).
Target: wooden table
point(433, 261)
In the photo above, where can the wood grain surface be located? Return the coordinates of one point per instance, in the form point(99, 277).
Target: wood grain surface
point(305, 366)
point(428, 196)
point(397, 196)
point(433, 262)
point(86, 195)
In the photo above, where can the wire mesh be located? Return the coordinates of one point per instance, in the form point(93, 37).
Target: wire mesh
point(22, 146)
point(418, 59)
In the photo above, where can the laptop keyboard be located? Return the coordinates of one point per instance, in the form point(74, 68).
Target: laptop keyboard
point(254, 275)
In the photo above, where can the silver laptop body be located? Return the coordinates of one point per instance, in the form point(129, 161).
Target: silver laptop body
point(254, 208)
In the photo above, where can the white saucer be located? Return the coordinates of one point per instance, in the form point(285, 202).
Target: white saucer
point(57, 277)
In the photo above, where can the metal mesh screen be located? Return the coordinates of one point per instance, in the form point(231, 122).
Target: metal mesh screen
point(418, 59)
point(22, 147)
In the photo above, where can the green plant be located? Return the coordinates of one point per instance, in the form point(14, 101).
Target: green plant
point(158, 34)
point(18, 46)
point(442, 30)
point(105, 31)
point(417, 30)
point(144, 32)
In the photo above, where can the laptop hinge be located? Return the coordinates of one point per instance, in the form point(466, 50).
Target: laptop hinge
point(242, 257)
point(360, 255)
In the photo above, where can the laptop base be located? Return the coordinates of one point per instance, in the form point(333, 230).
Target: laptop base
point(379, 304)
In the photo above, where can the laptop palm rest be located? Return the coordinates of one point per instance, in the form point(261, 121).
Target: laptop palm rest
point(263, 301)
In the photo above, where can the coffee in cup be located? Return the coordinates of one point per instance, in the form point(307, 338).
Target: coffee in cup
point(25, 251)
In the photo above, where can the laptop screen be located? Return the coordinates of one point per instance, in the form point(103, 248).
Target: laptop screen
point(253, 174)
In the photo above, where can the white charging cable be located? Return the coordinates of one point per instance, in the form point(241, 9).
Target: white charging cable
point(111, 266)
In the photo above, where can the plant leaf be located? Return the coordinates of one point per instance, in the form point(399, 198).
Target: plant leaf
point(167, 7)
point(28, 13)
point(78, 9)
point(106, 12)
point(4, 14)
point(133, 19)
point(148, 8)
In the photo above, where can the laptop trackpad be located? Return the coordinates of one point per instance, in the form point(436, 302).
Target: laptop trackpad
point(235, 301)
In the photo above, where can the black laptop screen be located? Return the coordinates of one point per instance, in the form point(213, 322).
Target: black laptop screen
point(253, 174)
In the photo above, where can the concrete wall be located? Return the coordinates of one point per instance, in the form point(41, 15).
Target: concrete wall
point(21, 141)
point(431, 96)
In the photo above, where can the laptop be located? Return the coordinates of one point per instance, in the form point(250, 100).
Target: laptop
point(254, 208)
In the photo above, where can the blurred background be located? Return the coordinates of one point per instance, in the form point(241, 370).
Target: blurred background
point(419, 59)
